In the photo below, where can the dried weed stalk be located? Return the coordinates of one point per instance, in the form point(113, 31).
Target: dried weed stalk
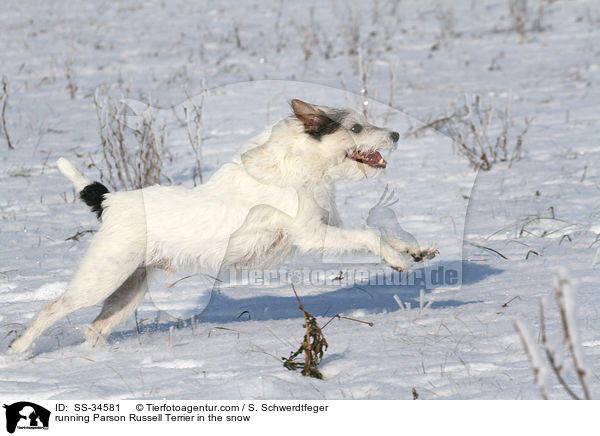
point(4, 102)
point(313, 346)
point(193, 122)
point(133, 154)
point(483, 133)
point(524, 19)
point(71, 85)
point(566, 305)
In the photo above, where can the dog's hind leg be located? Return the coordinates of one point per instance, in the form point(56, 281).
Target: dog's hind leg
point(105, 267)
point(119, 306)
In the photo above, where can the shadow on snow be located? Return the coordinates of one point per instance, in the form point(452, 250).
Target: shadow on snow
point(346, 300)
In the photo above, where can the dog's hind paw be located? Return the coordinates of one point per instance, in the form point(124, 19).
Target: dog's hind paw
point(403, 268)
point(93, 337)
point(17, 346)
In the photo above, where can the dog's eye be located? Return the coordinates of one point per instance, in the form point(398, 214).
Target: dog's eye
point(357, 128)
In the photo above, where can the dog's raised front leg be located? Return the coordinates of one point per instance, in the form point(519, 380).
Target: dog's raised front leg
point(334, 240)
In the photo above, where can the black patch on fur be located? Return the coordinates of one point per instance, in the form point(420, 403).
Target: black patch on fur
point(327, 126)
point(333, 120)
point(93, 196)
point(317, 122)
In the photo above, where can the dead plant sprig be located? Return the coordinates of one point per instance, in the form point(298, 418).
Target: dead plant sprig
point(566, 302)
point(4, 101)
point(313, 346)
point(556, 368)
point(338, 316)
point(539, 369)
point(193, 121)
point(132, 161)
point(79, 234)
point(483, 132)
point(563, 291)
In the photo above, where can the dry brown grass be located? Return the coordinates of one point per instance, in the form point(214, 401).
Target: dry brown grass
point(133, 154)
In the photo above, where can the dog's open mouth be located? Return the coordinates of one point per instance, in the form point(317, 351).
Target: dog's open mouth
point(372, 158)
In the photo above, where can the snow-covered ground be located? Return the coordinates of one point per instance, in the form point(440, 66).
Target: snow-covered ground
point(534, 217)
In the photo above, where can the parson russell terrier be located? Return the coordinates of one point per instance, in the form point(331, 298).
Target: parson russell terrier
point(274, 198)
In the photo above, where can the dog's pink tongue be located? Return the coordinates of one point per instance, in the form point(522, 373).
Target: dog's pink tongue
point(375, 159)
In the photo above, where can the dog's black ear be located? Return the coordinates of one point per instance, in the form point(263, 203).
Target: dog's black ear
point(316, 123)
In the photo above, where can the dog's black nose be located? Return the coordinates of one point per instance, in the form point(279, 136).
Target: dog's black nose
point(395, 136)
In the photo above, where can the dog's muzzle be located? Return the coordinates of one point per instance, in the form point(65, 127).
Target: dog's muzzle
point(373, 158)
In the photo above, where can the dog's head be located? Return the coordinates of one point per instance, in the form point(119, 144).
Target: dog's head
point(318, 141)
point(344, 138)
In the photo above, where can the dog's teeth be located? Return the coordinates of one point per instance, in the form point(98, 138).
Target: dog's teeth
point(381, 161)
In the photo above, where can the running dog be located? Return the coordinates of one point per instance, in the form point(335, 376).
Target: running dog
point(275, 198)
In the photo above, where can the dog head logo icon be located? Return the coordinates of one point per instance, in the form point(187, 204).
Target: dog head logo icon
point(26, 415)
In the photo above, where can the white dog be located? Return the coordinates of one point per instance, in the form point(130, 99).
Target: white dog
point(274, 198)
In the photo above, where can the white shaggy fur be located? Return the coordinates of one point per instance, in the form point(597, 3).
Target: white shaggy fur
point(274, 198)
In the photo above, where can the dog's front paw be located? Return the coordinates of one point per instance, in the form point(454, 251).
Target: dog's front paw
point(395, 259)
point(422, 254)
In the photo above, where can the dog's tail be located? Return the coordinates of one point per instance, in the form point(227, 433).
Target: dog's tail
point(92, 193)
